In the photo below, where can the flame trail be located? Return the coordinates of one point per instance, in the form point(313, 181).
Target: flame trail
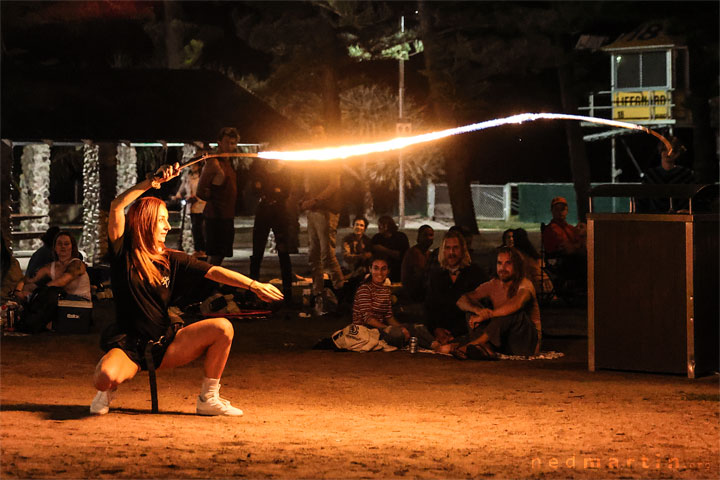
point(335, 153)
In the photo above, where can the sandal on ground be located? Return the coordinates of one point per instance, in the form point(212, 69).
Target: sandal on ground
point(480, 352)
point(459, 353)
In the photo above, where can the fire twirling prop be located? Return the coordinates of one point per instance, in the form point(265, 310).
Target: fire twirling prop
point(346, 151)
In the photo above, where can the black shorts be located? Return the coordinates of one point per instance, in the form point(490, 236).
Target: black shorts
point(219, 236)
point(135, 348)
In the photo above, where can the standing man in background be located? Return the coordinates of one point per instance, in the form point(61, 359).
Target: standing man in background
point(271, 183)
point(323, 202)
point(218, 187)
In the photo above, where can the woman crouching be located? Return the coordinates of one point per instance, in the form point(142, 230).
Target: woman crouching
point(146, 278)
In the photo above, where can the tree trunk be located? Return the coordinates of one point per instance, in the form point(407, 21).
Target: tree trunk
point(457, 163)
point(457, 159)
point(331, 100)
point(173, 42)
point(579, 166)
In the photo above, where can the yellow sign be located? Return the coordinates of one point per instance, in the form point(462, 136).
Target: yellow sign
point(643, 105)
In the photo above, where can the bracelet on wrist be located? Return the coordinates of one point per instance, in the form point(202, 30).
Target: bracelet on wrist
point(154, 183)
point(251, 284)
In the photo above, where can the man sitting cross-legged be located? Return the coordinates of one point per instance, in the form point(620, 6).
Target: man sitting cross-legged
point(512, 325)
point(454, 276)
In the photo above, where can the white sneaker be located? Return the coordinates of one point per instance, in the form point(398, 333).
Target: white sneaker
point(216, 406)
point(101, 403)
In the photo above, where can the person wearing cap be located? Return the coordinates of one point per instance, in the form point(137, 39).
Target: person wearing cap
point(560, 238)
point(566, 244)
point(217, 186)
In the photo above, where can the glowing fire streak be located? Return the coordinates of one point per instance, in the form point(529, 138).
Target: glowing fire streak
point(333, 153)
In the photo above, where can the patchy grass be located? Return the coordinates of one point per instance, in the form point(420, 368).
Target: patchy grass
point(701, 397)
point(511, 222)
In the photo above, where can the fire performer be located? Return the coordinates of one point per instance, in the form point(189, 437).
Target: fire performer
point(146, 278)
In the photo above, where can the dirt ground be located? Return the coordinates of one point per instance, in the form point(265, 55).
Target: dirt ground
point(322, 414)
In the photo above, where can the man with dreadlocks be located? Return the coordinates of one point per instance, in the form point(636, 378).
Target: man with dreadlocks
point(512, 325)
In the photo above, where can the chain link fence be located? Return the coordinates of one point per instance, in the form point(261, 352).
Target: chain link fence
point(491, 202)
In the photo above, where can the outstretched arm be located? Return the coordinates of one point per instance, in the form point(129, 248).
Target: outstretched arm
point(116, 216)
point(265, 291)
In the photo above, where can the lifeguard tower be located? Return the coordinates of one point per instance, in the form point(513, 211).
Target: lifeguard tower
point(649, 81)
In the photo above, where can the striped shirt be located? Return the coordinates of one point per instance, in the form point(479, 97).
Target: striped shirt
point(372, 300)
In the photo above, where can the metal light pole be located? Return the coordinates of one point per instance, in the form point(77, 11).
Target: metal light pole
point(401, 167)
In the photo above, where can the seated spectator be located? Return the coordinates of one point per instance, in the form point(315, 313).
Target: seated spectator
point(507, 238)
point(512, 325)
point(11, 273)
point(373, 308)
point(357, 250)
point(67, 271)
point(559, 237)
point(391, 244)
point(531, 261)
point(415, 265)
point(454, 276)
point(43, 255)
point(564, 244)
point(468, 236)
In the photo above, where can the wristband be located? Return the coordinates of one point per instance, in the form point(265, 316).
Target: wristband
point(154, 183)
point(251, 284)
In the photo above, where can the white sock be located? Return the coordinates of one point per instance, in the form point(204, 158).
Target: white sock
point(210, 388)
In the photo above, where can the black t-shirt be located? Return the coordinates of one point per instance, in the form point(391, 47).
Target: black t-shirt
point(271, 187)
point(442, 295)
point(142, 308)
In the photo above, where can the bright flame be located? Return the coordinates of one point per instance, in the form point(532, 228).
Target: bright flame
point(333, 153)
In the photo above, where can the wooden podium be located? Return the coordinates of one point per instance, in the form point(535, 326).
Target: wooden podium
point(653, 286)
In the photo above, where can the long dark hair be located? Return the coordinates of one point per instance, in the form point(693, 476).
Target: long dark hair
point(522, 243)
point(73, 242)
point(140, 225)
point(518, 268)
